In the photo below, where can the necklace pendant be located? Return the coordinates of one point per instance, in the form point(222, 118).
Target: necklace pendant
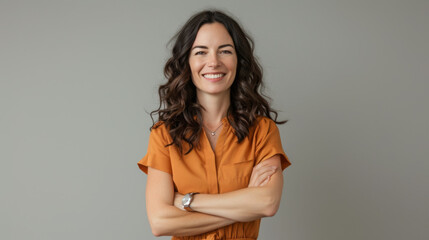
point(212, 132)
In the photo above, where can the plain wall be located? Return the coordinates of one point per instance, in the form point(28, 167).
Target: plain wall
point(78, 79)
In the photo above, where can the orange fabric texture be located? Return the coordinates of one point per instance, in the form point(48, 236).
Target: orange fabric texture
point(225, 169)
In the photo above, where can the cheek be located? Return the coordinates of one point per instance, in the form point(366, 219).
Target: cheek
point(195, 66)
point(232, 65)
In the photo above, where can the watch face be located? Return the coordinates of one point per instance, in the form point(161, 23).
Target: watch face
point(186, 200)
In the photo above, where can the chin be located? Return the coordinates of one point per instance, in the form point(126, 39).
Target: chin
point(214, 91)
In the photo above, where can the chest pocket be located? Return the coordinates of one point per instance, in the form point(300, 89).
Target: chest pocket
point(235, 175)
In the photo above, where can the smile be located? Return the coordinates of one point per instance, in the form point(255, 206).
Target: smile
point(214, 77)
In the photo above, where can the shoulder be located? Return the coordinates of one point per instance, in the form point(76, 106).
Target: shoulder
point(262, 126)
point(159, 124)
point(159, 130)
point(264, 123)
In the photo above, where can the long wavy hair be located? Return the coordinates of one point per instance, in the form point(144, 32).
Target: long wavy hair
point(178, 107)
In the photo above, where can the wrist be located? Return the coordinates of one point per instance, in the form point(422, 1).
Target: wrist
point(187, 201)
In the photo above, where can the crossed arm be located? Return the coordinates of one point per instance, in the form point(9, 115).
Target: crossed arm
point(213, 211)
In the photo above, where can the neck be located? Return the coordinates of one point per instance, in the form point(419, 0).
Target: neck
point(216, 108)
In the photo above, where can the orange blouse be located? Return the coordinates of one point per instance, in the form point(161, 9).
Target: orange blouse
point(225, 169)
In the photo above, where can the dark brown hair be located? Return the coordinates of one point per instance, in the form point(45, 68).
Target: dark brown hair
point(178, 108)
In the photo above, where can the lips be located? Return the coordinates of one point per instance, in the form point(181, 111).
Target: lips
point(213, 77)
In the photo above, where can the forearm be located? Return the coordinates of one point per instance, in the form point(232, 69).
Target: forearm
point(173, 222)
point(241, 205)
point(247, 204)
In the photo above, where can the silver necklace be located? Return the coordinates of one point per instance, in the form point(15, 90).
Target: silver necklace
point(213, 133)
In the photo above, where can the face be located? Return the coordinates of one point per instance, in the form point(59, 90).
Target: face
point(213, 60)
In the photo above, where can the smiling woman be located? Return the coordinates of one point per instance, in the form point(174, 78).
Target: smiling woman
point(215, 157)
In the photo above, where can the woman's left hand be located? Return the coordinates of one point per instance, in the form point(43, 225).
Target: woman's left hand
point(261, 174)
point(178, 201)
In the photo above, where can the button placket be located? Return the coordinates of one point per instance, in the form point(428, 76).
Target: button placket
point(210, 164)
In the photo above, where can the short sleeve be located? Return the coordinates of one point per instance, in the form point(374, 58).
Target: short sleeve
point(269, 142)
point(157, 155)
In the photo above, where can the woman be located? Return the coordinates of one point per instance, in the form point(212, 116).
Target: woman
point(215, 158)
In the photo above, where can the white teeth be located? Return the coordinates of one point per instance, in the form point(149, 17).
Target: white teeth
point(213, 75)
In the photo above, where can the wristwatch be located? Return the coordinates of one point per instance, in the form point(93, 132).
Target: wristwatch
point(187, 200)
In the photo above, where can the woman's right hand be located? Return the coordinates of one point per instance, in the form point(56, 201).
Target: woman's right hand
point(261, 174)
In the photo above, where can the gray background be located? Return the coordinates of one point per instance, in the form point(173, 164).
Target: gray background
point(77, 78)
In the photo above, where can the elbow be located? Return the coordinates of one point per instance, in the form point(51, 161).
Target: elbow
point(157, 227)
point(161, 223)
point(271, 207)
point(155, 233)
point(156, 230)
point(270, 211)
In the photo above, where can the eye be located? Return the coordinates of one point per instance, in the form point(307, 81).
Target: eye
point(225, 52)
point(200, 53)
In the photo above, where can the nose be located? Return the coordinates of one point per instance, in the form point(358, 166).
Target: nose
point(213, 60)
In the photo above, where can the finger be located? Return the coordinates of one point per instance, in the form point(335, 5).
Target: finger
point(257, 182)
point(263, 164)
point(260, 181)
point(262, 177)
point(264, 170)
point(265, 182)
point(255, 178)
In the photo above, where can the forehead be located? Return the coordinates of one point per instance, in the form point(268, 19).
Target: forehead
point(213, 34)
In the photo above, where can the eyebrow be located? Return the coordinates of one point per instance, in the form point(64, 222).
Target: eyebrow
point(221, 46)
